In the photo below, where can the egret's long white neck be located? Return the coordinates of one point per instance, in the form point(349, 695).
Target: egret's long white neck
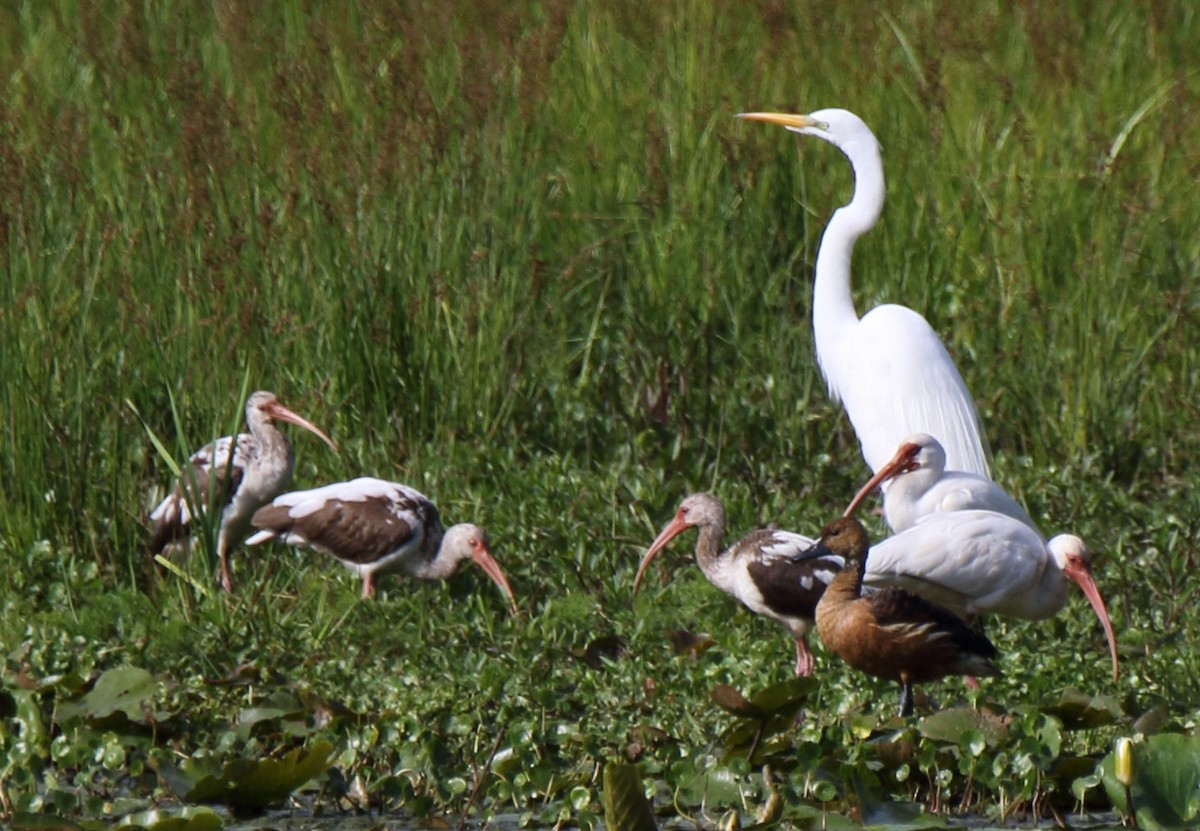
point(833, 303)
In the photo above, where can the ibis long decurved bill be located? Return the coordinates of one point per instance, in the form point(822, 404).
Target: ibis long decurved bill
point(676, 527)
point(902, 462)
point(792, 121)
point(1082, 575)
point(281, 413)
point(484, 559)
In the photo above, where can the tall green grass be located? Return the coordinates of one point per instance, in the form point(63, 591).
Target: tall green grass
point(522, 256)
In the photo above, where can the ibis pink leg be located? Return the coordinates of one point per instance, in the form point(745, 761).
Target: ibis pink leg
point(804, 659)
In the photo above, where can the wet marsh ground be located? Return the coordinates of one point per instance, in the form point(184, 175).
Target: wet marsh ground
point(523, 258)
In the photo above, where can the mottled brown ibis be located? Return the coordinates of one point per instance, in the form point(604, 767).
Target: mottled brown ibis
point(761, 569)
point(242, 473)
point(373, 526)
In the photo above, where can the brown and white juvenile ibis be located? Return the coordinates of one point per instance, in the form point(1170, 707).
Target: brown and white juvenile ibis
point(974, 561)
point(245, 472)
point(761, 569)
point(373, 526)
point(891, 633)
point(921, 485)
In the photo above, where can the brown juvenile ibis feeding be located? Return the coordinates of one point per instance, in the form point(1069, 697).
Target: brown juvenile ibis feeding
point(245, 472)
point(891, 633)
point(374, 526)
point(974, 561)
point(761, 569)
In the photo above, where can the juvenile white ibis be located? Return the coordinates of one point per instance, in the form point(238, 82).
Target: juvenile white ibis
point(889, 369)
point(374, 526)
point(243, 472)
point(922, 485)
point(891, 633)
point(964, 543)
point(760, 569)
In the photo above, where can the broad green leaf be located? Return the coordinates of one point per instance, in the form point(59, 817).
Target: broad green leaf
point(124, 689)
point(257, 783)
point(789, 694)
point(1166, 784)
point(625, 805)
point(950, 726)
point(185, 819)
point(1080, 711)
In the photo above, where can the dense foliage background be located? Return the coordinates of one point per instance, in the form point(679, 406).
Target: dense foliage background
point(521, 256)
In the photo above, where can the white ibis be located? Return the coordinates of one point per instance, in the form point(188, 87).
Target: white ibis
point(922, 485)
point(966, 544)
point(243, 475)
point(761, 569)
point(889, 369)
point(982, 562)
point(374, 526)
point(891, 633)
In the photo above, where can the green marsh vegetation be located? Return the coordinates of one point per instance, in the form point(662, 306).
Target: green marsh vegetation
point(522, 257)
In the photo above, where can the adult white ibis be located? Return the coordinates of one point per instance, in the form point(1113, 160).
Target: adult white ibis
point(922, 485)
point(891, 633)
point(374, 526)
point(982, 562)
point(966, 544)
point(242, 473)
point(889, 369)
point(760, 569)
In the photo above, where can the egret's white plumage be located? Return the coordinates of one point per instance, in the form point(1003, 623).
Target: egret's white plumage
point(888, 368)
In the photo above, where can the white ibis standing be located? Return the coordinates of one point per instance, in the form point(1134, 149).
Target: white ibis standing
point(982, 562)
point(760, 569)
point(967, 545)
point(891, 633)
point(889, 369)
point(374, 526)
point(922, 485)
point(243, 473)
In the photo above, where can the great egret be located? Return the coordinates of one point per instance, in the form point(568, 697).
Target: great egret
point(889, 369)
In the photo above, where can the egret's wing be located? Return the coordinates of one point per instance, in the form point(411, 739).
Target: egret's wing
point(895, 378)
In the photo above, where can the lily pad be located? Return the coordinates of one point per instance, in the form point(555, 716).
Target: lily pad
point(1166, 782)
point(625, 805)
point(249, 784)
point(123, 690)
point(1080, 711)
point(950, 725)
point(187, 819)
point(23, 821)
